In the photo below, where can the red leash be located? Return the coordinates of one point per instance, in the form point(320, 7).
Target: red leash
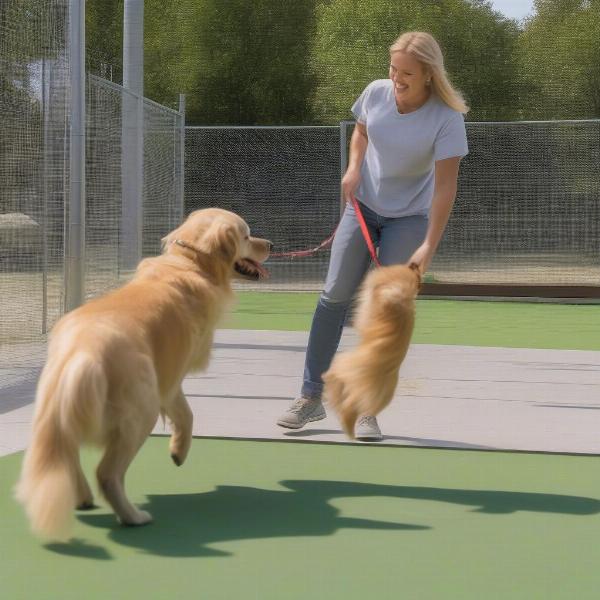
point(295, 253)
point(365, 231)
point(325, 243)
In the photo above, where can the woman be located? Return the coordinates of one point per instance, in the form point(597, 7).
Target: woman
point(403, 168)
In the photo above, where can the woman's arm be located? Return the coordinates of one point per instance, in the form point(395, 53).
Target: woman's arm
point(358, 147)
point(446, 178)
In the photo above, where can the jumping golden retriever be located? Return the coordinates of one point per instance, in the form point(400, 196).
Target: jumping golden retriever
point(117, 362)
point(362, 381)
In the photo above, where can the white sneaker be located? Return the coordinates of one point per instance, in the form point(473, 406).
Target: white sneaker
point(367, 429)
point(301, 412)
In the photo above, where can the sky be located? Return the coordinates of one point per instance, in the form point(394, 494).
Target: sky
point(513, 9)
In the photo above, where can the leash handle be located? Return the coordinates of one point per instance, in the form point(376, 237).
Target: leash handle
point(365, 231)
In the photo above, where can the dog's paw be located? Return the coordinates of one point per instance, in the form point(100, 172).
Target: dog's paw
point(140, 518)
point(86, 505)
point(348, 418)
point(179, 446)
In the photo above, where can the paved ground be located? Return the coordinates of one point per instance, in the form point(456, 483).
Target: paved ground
point(449, 396)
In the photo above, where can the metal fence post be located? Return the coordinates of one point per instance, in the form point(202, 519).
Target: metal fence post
point(132, 157)
point(75, 229)
point(45, 195)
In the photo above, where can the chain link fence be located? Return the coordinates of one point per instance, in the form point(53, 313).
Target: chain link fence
point(35, 101)
point(283, 180)
point(527, 210)
point(162, 205)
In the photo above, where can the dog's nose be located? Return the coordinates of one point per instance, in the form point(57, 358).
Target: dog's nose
point(270, 245)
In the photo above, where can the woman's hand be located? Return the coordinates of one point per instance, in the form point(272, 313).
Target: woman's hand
point(422, 257)
point(350, 183)
point(446, 176)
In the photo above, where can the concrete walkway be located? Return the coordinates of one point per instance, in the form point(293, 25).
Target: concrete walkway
point(449, 396)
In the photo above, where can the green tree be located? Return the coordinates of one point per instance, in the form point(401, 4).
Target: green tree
point(559, 53)
point(29, 32)
point(238, 62)
point(306, 61)
point(353, 38)
point(104, 38)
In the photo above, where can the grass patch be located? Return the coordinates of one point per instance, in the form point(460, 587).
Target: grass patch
point(471, 323)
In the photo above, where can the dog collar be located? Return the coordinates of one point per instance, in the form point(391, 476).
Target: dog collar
point(185, 244)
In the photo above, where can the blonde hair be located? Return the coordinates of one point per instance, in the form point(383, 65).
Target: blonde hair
point(427, 51)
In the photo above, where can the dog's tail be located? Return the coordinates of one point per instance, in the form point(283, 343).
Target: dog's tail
point(363, 380)
point(70, 399)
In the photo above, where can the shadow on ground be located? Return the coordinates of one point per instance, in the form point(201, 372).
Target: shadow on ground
point(187, 525)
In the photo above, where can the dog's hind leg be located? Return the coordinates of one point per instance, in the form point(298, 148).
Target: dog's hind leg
point(181, 418)
point(85, 498)
point(335, 392)
point(111, 477)
point(121, 448)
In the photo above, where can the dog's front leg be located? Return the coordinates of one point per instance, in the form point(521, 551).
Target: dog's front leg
point(180, 415)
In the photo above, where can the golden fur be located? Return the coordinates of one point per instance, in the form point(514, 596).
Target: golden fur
point(117, 362)
point(362, 381)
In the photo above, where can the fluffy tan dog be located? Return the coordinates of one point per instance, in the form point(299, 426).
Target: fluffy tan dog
point(117, 362)
point(363, 380)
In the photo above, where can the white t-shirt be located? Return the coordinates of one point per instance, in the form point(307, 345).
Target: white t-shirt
point(397, 173)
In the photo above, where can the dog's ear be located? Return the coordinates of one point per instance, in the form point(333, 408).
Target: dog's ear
point(220, 238)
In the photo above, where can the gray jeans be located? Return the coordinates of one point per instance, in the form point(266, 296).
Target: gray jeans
point(395, 238)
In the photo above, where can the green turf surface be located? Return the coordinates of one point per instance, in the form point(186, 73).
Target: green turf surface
point(470, 323)
point(280, 520)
